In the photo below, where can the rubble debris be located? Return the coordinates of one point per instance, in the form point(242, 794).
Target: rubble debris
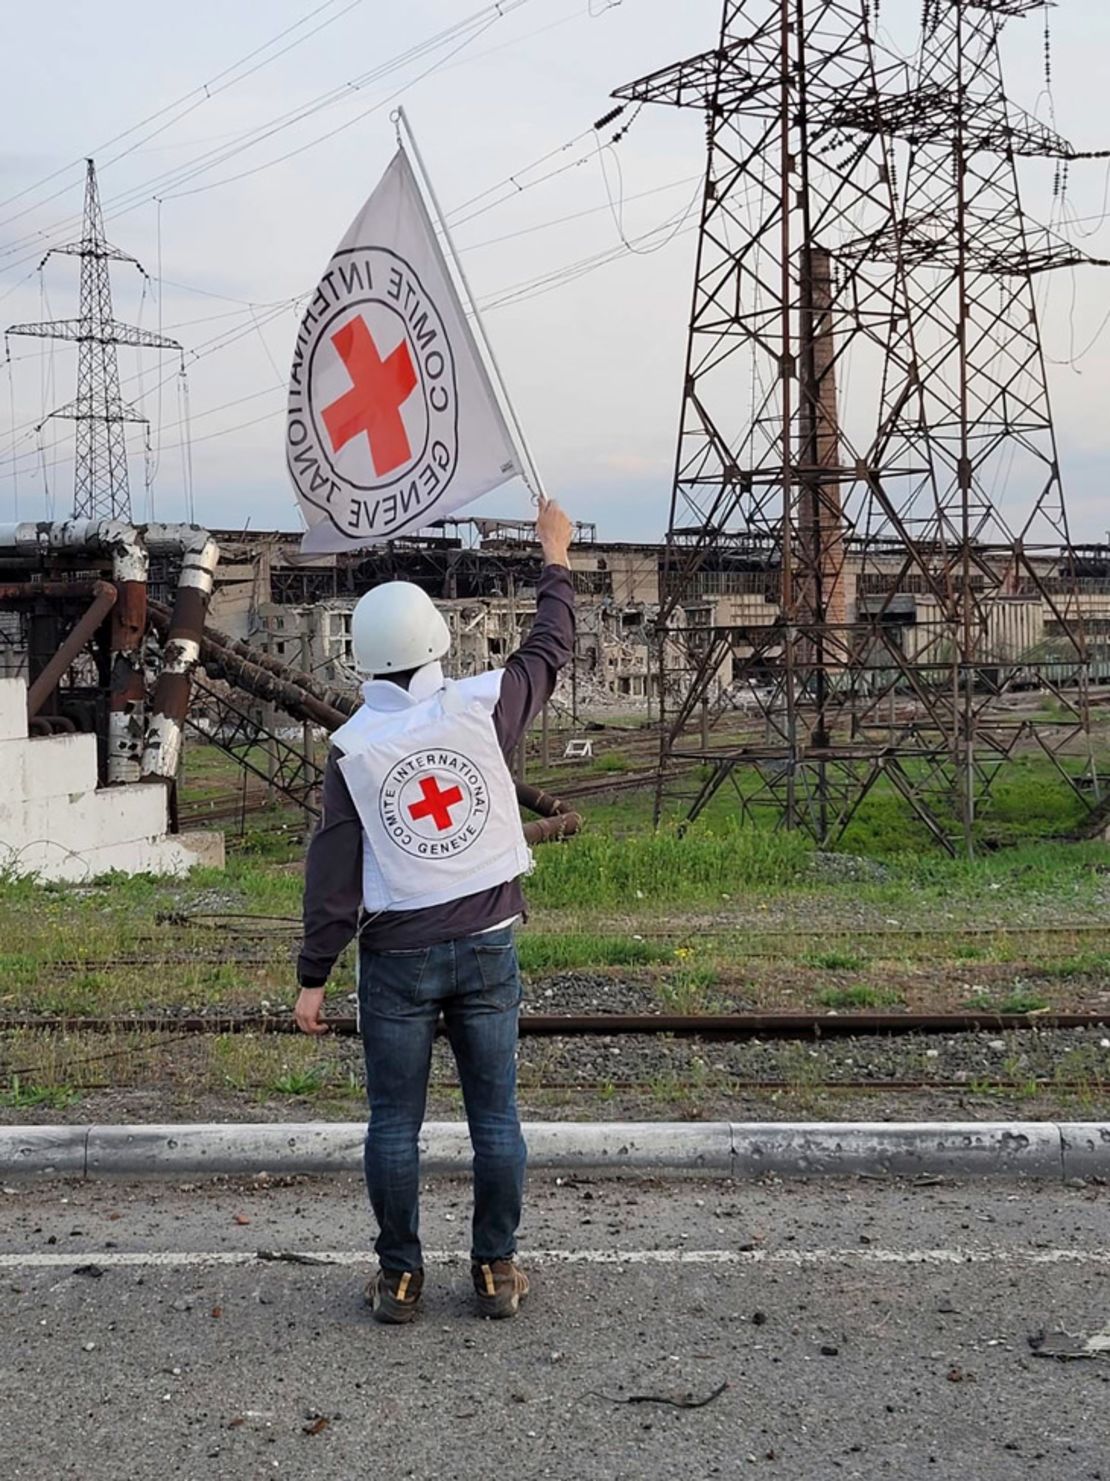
point(1067, 1347)
point(675, 1401)
point(291, 1257)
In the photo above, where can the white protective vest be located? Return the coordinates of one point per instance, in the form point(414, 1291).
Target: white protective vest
point(436, 800)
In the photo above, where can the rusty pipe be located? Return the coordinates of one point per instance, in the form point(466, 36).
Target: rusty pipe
point(345, 704)
point(127, 686)
point(536, 800)
point(104, 599)
point(27, 591)
point(199, 557)
point(552, 829)
point(124, 545)
point(255, 679)
point(267, 679)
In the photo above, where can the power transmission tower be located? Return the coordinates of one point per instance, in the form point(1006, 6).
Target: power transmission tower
point(844, 581)
point(100, 482)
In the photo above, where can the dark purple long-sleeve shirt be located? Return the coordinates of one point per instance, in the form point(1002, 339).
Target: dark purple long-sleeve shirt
point(333, 868)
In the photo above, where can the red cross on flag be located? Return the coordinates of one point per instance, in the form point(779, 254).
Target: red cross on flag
point(393, 421)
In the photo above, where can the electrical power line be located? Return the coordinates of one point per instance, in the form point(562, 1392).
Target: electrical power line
point(167, 181)
point(200, 94)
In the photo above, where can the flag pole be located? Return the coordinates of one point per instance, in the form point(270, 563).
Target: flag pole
point(530, 471)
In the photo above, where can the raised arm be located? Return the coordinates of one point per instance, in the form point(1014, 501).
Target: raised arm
point(531, 672)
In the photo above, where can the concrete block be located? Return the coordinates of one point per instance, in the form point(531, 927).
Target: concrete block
point(48, 860)
point(136, 856)
point(164, 856)
point(42, 1151)
point(200, 848)
point(13, 767)
point(13, 818)
point(674, 1146)
point(324, 1147)
point(117, 814)
point(244, 1149)
point(822, 1149)
point(445, 1147)
point(60, 765)
point(67, 821)
point(1085, 1148)
point(13, 709)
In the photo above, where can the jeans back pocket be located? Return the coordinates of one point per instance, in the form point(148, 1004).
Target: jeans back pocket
point(498, 974)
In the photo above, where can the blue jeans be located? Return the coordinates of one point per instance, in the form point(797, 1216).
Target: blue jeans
point(474, 982)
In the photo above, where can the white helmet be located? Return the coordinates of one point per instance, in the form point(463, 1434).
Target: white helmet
point(396, 628)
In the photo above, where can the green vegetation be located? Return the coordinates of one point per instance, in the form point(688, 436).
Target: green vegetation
point(687, 990)
point(1023, 1002)
point(834, 961)
point(612, 762)
point(1020, 1000)
point(697, 868)
point(859, 995)
point(25, 1097)
point(1080, 964)
point(726, 915)
point(299, 1082)
point(564, 953)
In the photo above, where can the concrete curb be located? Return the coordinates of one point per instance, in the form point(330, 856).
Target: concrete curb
point(1024, 1149)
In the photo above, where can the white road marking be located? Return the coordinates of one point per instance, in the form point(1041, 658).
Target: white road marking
point(55, 1259)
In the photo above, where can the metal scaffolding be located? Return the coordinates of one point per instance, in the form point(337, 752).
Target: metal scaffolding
point(866, 425)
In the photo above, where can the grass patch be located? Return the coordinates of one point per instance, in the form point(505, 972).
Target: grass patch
point(299, 1082)
point(1020, 1000)
point(697, 868)
point(541, 954)
point(613, 763)
point(21, 1096)
point(1081, 964)
point(688, 990)
point(859, 995)
point(965, 952)
point(834, 961)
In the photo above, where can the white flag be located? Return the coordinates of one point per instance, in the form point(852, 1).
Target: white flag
point(392, 419)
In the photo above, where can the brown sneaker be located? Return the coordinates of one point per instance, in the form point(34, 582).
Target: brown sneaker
point(394, 1296)
point(500, 1287)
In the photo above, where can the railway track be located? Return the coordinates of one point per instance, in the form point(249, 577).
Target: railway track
point(720, 1026)
point(268, 942)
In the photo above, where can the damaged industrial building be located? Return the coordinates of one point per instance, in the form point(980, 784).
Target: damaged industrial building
point(118, 641)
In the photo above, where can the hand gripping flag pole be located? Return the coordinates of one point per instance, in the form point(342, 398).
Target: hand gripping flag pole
point(398, 412)
point(530, 472)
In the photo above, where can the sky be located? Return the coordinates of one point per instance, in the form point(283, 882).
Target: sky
point(231, 236)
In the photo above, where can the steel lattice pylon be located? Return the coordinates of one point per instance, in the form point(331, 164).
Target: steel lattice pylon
point(100, 481)
point(851, 559)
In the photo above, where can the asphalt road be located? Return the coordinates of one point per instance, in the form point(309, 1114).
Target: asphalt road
point(862, 1329)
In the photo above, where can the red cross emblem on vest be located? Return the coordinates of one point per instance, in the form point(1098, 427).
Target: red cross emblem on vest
point(379, 388)
point(437, 805)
